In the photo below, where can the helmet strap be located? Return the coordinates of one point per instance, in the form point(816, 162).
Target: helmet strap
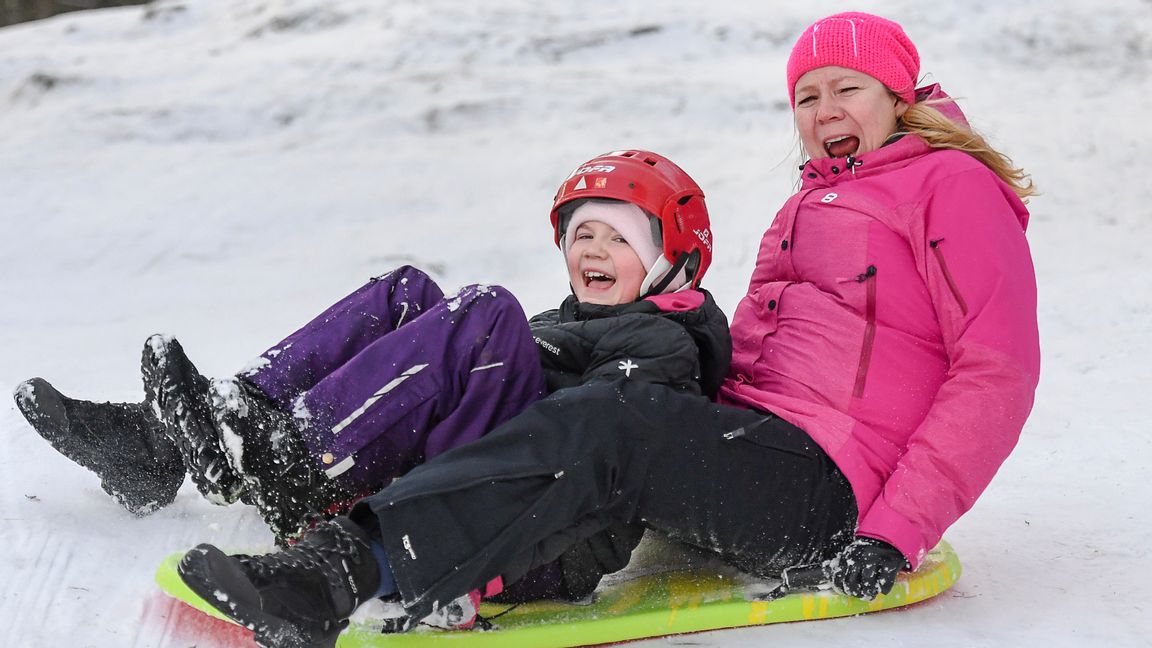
point(667, 273)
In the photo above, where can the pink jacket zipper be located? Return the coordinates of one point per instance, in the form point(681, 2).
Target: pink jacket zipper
point(868, 278)
point(935, 245)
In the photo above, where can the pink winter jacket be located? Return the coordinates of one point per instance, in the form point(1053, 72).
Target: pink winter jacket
point(892, 316)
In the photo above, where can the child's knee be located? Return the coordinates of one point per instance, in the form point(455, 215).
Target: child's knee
point(402, 274)
point(494, 299)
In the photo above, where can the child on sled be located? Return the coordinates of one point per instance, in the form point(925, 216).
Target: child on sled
point(397, 373)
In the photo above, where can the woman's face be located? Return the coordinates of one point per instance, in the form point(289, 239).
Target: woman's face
point(841, 112)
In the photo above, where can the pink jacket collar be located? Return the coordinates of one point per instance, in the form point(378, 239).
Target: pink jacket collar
point(903, 150)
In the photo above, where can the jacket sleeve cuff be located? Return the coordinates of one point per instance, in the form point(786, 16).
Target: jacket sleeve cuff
point(883, 523)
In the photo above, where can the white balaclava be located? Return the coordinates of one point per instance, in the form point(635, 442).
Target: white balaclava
point(632, 222)
point(638, 228)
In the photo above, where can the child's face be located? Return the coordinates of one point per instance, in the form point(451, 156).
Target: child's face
point(602, 267)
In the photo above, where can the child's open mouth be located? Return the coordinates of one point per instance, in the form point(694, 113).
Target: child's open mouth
point(842, 146)
point(598, 280)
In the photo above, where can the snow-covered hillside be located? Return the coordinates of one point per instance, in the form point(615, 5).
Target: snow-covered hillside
point(223, 169)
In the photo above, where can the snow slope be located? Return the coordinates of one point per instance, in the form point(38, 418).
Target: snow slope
point(222, 169)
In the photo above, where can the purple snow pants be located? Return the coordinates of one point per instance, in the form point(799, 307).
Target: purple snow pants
point(396, 373)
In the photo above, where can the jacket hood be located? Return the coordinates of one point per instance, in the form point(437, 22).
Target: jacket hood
point(942, 102)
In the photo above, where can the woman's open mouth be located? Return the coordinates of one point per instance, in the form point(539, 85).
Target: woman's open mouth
point(842, 146)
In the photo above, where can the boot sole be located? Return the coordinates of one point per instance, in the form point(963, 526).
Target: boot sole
point(226, 418)
point(216, 579)
point(43, 406)
point(167, 383)
point(229, 405)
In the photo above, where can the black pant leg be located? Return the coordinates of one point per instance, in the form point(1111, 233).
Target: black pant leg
point(756, 490)
point(571, 463)
point(512, 500)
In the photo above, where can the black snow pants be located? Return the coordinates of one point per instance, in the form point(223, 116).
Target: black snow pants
point(744, 484)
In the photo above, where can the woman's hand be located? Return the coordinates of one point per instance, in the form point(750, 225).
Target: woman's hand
point(867, 567)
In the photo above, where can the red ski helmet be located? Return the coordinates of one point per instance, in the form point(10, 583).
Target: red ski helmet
point(659, 187)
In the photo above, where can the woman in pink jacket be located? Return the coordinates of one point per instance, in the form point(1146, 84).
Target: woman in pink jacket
point(892, 311)
point(884, 361)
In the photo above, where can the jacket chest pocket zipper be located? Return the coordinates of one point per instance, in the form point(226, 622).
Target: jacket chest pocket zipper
point(868, 278)
point(939, 254)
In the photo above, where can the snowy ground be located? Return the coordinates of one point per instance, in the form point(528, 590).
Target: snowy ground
point(223, 169)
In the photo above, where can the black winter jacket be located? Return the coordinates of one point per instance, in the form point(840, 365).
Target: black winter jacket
point(686, 350)
point(579, 343)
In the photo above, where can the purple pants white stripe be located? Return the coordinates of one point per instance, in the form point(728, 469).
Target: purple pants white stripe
point(396, 373)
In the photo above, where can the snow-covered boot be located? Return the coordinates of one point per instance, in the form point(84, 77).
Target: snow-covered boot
point(264, 447)
point(123, 443)
point(300, 597)
point(461, 613)
point(179, 397)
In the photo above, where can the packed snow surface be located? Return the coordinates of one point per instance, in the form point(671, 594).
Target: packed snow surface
point(222, 170)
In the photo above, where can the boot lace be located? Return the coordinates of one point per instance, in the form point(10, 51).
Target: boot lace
point(324, 551)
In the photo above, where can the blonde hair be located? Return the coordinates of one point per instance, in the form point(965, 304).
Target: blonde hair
point(940, 132)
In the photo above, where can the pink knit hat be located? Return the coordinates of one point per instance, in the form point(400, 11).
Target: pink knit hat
point(624, 217)
point(858, 41)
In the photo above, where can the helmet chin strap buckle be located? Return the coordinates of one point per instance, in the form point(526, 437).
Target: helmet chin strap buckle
point(667, 272)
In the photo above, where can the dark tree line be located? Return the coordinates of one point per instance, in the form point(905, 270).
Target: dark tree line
point(16, 11)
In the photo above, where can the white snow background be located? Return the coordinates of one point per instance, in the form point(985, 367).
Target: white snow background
point(222, 170)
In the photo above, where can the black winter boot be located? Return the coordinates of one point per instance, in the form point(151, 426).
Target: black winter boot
point(264, 447)
point(123, 443)
point(297, 598)
point(179, 397)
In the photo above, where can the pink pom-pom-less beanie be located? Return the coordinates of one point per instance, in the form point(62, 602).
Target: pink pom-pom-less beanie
point(859, 41)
